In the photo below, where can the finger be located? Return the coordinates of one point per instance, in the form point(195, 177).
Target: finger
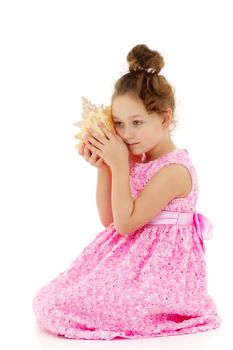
point(91, 140)
point(106, 132)
point(99, 160)
point(96, 135)
point(93, 158)
point(94, 149)
point(86, 153)
point(81, 148)
point(95, 143)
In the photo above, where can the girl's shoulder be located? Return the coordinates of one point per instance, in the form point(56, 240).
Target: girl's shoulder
point(141, 173)
point(145, 170)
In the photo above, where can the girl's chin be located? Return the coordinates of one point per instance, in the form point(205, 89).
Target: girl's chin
point(135, 151)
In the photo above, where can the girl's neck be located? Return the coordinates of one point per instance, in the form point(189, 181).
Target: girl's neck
point(138, 158)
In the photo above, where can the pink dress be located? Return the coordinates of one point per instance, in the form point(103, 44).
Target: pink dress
point(151, 283)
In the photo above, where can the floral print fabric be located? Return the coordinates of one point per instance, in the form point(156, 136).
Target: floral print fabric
point(149, 284)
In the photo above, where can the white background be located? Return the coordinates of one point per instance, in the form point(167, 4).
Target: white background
point(54, 52)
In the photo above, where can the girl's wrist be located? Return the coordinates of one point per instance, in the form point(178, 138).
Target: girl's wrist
point(104, 167)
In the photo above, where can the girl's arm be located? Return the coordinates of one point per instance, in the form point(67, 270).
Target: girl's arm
point(167, 183)
point(122, 200)
point(103, 195)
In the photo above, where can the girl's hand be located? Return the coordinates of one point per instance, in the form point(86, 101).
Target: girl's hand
point(110, 147)
point(91, 157)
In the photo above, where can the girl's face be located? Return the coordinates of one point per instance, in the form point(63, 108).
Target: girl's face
point(135, 126)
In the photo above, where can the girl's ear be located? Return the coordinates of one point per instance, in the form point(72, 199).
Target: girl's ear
point(167, 117)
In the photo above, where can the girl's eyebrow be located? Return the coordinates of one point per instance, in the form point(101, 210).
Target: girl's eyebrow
point(131, 117)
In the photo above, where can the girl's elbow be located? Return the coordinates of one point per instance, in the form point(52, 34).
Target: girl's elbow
point(123, 231)
point(106, 224)
point(120, 229)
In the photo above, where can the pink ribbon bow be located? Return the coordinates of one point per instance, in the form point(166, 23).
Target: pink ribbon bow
point(203, 226)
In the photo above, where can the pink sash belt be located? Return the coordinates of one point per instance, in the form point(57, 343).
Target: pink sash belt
point(203, 226)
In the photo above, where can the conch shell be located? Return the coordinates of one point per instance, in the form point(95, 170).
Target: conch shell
point(91, 116)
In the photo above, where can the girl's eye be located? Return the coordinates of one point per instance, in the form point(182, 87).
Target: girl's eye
point(135, 121)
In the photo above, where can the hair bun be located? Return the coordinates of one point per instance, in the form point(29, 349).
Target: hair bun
point(141, 57)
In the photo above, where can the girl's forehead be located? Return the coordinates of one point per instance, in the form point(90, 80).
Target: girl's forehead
point(127, 107)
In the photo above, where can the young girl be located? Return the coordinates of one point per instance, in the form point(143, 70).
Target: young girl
point(144, 275)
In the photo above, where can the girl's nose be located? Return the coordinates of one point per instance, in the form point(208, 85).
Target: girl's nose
point(127, 134)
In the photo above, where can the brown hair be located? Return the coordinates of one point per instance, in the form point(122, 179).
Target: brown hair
point(149, 86)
